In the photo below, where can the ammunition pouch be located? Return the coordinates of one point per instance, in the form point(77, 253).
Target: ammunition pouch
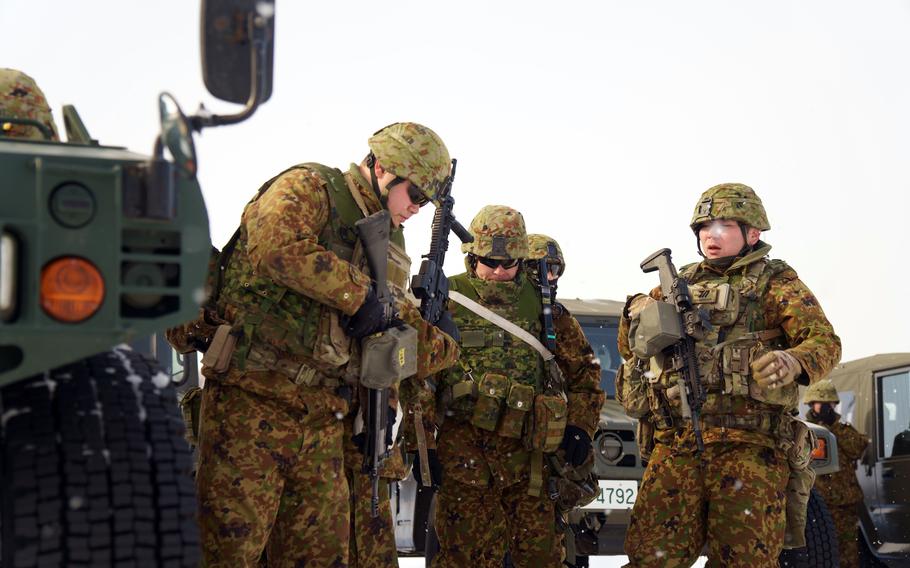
point(190, 406)
point(550, 418)
point(571, 487)
point(656, 328)
point(519, 402)
point(491, 390)
point(218, 356)
point(388, 357)
point(644, 435)
point(631, 388)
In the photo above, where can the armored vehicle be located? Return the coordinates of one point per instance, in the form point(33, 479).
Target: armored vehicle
point(99, 247)
point(875, 398)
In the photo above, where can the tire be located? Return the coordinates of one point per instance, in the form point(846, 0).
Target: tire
point(95, 470)
point(821, 539)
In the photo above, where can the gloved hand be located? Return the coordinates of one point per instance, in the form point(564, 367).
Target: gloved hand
point(447, 325)
point(639, 303)
point(360, 439)
point(435, 469)
point(368, 319)
point(776, 369)
point(577, 445)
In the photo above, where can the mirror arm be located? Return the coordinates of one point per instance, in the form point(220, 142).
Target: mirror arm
point(257, 84)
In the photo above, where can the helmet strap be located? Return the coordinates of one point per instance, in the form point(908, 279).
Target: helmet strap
point(374, 182)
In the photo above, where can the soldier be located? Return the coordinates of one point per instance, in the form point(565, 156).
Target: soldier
point(296, 299)
point(504, 406)
point(767, 334)
point(21, 99)
point(840, 490)
point(576, 348)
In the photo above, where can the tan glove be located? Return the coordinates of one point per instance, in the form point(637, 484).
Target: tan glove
point(639, 303)
point(775, 369)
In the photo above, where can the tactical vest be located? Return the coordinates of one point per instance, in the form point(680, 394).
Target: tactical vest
point(738, 336)
point(491, 358)
point(290, 324)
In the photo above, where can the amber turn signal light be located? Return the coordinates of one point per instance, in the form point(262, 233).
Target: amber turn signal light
point(820, 451)
point(71, 289)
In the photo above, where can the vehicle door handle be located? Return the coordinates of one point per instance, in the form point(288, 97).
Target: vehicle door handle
point(887, 473)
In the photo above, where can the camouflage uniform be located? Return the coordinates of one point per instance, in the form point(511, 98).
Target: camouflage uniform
point(572, 342)
point(840, 489)
point(271, 461)
point(21, 98)
point(733, 493)
point(492, 497)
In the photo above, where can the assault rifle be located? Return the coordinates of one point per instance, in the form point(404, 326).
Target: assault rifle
point(374, 235)
point(547, 297)
point(430, 285)
point(691, 323)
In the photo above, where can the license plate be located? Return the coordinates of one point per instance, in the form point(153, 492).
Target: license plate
point(615, 494)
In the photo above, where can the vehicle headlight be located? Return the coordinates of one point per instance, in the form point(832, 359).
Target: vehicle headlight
point(610, 447)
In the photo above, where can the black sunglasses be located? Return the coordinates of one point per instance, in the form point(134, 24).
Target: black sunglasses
point(417, 197)
point(495, 262)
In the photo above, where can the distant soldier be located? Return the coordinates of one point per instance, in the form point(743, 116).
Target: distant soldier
point(295, 300)
point(23, 101)
point(767, 333)
point(572, 341)
point(506, 404)
point(840, 489)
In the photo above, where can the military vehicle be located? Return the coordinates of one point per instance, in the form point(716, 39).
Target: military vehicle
point(875, 398)
point(100, 246)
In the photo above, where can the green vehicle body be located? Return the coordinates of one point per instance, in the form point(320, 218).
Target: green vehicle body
point(874, 397)
point(141, 223)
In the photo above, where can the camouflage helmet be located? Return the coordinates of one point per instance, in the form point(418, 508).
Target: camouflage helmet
point(413, 152)
point(821, 391)
point(20, 97)
point(499, 232)
point(539, 247)
point(730, 201)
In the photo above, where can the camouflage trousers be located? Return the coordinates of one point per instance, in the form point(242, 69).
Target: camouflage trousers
point(372, 539)
point(845, 525)
point(732, 496)
point(270, 479)
point(483, 508)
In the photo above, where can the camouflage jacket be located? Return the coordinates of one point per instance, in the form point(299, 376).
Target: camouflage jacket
point(280, 237)
point(841, 487)
point(786, 305)
point(581, 369)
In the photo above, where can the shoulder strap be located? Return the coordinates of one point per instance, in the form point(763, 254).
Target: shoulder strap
point(501, 322)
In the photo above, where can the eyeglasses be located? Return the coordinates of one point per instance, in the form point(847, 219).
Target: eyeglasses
point(495, 263)
point(417, 197)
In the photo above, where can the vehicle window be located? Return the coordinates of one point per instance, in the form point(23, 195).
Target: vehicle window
point(602, 337)
point(894, 413)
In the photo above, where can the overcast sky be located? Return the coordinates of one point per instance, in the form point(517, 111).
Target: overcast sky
point(601, 121)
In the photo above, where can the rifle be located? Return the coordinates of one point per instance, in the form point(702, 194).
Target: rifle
point(547, 297)
point(430, 285)
point(675, 291)
point(374, 235)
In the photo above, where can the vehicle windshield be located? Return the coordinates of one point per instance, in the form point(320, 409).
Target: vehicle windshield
point(602, 337)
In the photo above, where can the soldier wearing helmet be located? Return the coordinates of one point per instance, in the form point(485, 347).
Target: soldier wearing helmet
point(24, 112)
point(767, 334)
point(505, 407)
point(278, 471)
point(840, 490)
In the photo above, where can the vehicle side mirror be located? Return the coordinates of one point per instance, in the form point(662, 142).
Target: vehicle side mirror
point(237, 49)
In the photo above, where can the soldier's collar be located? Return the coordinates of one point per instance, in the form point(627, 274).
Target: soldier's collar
point(362, 186)
point(759, 251)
